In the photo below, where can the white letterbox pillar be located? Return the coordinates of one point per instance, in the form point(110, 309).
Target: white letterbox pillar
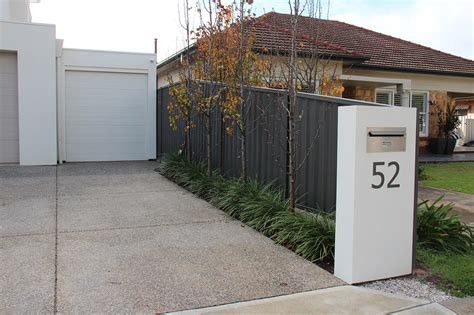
point(376, 153)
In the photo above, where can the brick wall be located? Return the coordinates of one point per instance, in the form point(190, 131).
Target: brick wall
point(363, 93)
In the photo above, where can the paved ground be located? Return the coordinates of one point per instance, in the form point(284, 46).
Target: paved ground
point(460, 306)
point(441, 158)
point(118, 237)
point(463, 203)
point(340, 300)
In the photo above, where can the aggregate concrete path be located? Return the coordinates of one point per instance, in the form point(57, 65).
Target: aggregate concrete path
point(120, 238)
point(463, 203)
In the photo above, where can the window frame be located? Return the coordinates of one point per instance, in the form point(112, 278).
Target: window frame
point(426, 132)
point(391, 95)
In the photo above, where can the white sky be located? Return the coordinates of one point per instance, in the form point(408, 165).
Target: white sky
point(131, 25)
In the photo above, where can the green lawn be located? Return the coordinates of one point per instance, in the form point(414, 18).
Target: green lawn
point(451, 176)
point(454, 272)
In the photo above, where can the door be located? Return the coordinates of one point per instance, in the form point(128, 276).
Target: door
point(9, 140)
point(105, 116)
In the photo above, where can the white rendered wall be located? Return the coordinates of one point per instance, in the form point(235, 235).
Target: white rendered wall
point(374, 225)
point(15, 10)
point(35, 45)
point(108, 61)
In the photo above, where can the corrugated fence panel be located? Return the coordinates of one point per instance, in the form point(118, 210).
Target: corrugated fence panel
point(267, 141)
point(169, 140)
point(316, 152)
point(266, 136)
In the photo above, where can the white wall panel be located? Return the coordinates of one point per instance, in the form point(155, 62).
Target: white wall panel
point(9, 140)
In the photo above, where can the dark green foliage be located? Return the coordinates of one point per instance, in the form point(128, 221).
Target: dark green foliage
point(308, 234)
point(260, 206)
point(422, 173)
point(439, 230)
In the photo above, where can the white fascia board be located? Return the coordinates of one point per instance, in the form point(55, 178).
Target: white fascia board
point(406, 83)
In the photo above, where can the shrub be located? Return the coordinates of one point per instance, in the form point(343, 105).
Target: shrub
point(439, 230)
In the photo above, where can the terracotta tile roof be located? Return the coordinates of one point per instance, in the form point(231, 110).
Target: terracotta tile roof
point(340, 39)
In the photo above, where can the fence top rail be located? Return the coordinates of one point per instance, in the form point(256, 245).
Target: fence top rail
point(332, 99)
point(339, 100)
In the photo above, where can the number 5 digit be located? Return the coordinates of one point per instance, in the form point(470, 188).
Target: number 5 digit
point(377, 173)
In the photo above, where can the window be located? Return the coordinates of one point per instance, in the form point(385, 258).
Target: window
point(384, 97)
point(389, 97)
point(397, 99)
point(420, 101)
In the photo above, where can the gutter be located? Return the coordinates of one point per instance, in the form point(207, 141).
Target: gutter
point(176, 56)
point(395, 69)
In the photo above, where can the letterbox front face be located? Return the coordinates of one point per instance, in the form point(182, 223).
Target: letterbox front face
point(386, 139)
point(375, 192)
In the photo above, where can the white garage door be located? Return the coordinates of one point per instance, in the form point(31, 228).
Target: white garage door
point(105, 116)
point(9, 145)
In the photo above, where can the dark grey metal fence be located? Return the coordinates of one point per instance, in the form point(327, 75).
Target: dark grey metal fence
point(316, 138)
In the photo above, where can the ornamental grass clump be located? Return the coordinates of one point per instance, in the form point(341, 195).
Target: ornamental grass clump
point(261, 206)
point(439, 230)
point(311, 235)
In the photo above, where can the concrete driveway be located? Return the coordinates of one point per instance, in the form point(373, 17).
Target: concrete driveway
point(118, 237)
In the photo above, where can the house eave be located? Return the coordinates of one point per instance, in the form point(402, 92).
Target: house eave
point(408, 70)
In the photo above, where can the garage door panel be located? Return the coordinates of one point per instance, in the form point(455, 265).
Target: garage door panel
point(111, 106)
point(9, 130)
point(108, 132)
point(106, 150)
point(105, 116)
point(7, 155)
point(89, 94)
point(9, 106)
point(9, 81)
point(103, 79)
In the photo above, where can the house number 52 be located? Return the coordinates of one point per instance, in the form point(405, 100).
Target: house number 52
point(377, 173)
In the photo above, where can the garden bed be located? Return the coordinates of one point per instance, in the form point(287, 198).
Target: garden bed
point(443, 240)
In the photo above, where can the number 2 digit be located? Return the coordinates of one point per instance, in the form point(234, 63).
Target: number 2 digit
point(397, 170)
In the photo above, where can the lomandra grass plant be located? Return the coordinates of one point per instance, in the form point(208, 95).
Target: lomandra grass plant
point(438, 229)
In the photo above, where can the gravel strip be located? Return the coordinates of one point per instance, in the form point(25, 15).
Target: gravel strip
point(409, 287)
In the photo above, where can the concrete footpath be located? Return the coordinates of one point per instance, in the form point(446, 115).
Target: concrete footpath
point(340, 300)
point(463, 203)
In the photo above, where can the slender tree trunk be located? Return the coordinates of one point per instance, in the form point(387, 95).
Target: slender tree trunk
point(243, 151)
point(243, 122)
point(187, 140)
point(209, 110)
point(209, 144)
point(222, 144)
point(292, 107)
point(292, 153)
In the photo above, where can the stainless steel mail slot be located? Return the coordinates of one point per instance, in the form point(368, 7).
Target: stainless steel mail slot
point(386, 139)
